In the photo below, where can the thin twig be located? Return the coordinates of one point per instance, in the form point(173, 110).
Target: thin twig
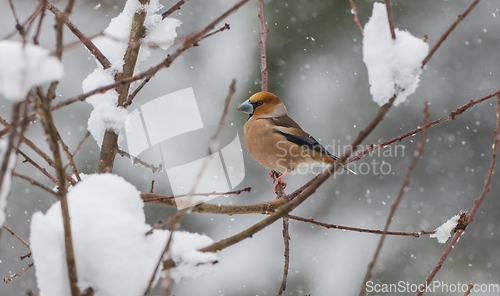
point(286, 254)
point(25, 23)
point(17, 236)
point(34, 183)
point(42, 170)
point(460, 18)
point(262, 44)
point(487, 186)
point(147, 79)
point(19, 27)
point(391, 20)
point(52, 135)
point(469, 288)
point(16, 275)
point(163, 197)
point(136, 160)
point(84, 39)
point(347, 228)
point(356, 20)
point(71, 162)
point(42, 6)
point(152, 186)
point(475, 206)
point(402, 191)
point(136, 91)
point(224, 28)
point(10, 145)
point(28, 143)
point(87, 134)
point(25, 256)
point(177, 6)
point(448, 117)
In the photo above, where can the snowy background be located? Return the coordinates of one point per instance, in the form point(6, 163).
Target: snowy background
point(316, 67)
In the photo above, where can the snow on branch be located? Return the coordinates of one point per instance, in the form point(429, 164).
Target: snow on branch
point(113, 254)
point(394, 65)
point(107, 115)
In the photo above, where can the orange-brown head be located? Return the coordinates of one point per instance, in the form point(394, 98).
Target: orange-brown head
point(263, 105)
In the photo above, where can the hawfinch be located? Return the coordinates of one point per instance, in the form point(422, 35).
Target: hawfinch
point(276, 141)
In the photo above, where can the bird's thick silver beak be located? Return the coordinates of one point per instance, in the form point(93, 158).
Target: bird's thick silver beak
point(246, 107)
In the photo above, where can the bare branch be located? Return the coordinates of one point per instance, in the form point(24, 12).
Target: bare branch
point(136, 160)
point(17, 236)
point(356, 20)
point(391, 20)
point(177, 6)
point(475, 206)
point(84, 39)
point(402, 191)
point(16, 275)
point(34, 183)
point(460, 18)
point(347, 228)
point(262, 44)
point(52, 135)
point(286, 253)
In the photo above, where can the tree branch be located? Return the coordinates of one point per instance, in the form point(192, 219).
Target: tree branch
point(460, 18)
point(402, 191)
point(475, 206)
point(262, 44)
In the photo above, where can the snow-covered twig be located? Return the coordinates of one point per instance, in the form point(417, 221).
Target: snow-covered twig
point(16, 275)
point(109, 146)
point(460, 18)
point(402, 191)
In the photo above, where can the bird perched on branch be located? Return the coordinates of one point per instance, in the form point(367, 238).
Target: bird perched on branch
point(277, 142)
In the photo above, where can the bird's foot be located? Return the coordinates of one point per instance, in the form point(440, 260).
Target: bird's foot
point(277, 182)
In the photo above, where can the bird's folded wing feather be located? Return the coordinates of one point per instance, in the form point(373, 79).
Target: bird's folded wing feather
point(285, 126)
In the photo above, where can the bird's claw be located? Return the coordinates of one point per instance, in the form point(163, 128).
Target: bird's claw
point(277, 182)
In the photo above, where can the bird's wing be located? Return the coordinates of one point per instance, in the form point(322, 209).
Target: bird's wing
point(285, 126)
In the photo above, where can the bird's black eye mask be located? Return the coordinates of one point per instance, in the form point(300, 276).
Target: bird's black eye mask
point(255, 105)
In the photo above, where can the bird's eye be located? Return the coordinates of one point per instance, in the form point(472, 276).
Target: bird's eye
point(259, 103)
